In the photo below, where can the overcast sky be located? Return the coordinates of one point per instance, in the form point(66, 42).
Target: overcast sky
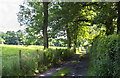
point(8, 17)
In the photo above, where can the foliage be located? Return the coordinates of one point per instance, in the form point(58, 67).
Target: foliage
point(61, 18)
point(34, 15)
point(71, 19)
point(105, 16)
point(20, 38)
point(2, 41)
point(104, 56)
point(31, 61)
point(13, 38)
point(57, 42)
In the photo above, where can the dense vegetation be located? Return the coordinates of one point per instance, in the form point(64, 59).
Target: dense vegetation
point(20, 38)
point(93, 25)
point(31, 61)
point(104, 56)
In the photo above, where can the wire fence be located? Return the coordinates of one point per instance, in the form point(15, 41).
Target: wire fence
point(26, 62)
point(0, 61)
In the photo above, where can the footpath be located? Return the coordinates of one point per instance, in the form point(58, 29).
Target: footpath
point(78, 67)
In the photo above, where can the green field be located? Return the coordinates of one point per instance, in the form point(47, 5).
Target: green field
point(8, 50)
point(14, 49)
point(30, 59)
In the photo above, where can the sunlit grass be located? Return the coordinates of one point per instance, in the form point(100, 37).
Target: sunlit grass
point(14, 49)
point(29, 58)
point(62, 72)
point(80, 56)
point(74, 62)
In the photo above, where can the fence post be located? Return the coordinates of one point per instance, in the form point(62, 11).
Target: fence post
point(37, 56)
point(20, 59)
point(44, 56)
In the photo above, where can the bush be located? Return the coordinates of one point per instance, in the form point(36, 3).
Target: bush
point(56, 56)
point(104, 56)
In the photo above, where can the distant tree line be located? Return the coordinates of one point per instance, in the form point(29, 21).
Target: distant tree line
point(13, 38)
point(21, 38)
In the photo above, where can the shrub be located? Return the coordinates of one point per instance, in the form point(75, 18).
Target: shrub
point(55, 56)
point(104, 56)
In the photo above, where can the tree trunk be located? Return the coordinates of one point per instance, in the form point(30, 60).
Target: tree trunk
point(68, 38)
point(109, 27)
point(78, 48)
point(118, 21)
point(45, 24)
point(75, 39)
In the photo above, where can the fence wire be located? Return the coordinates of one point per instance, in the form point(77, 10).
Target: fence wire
point(0, 61)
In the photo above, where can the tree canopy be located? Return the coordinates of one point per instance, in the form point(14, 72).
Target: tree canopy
point(73, 20)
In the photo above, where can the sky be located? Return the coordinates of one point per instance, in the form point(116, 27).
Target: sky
point(8, 16)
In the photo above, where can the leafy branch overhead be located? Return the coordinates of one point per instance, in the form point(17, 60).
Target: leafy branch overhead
point(72, 20)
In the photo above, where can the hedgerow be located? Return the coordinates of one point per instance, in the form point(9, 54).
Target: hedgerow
point(105, 56)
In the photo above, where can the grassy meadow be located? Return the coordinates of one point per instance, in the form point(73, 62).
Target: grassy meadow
point(14, 49)
point(31, 61)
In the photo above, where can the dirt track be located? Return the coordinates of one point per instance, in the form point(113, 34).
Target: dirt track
point(79, 69)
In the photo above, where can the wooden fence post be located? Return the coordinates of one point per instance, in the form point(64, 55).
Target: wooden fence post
point(37, 56)
point(44, 56)
point(20, 59)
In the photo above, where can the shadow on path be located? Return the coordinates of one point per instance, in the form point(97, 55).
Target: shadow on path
point(79, 69)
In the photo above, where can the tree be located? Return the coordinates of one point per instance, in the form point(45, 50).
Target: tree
point(118, 21)
point(68, 38)
point(64, 17)
point(13, 38)
point(10, 37)
point(32, 16)
point(45, 24)
point(1, 40)
point(20, 37)
point(106, 15)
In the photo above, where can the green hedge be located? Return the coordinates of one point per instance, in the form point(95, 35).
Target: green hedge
point(105, 56)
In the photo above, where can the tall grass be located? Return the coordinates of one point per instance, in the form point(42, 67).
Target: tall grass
point(31, 61)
